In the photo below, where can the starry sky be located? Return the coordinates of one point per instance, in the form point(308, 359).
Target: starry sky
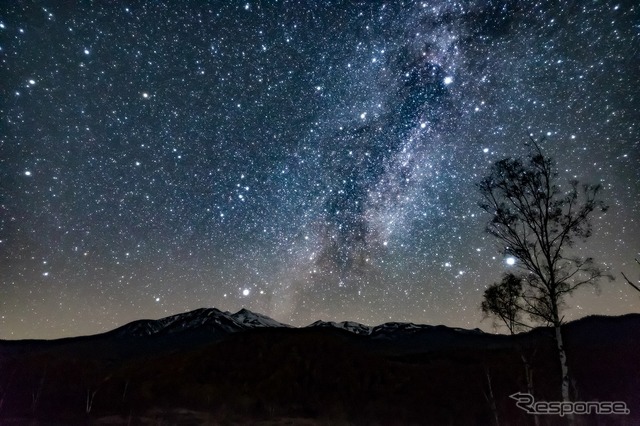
point(304, 159)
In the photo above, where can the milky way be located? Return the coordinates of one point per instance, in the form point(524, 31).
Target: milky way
point(307, 160)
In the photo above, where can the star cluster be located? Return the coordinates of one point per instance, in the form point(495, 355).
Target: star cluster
point(307, 160)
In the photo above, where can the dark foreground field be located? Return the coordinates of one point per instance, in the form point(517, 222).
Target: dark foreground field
point(398, 375)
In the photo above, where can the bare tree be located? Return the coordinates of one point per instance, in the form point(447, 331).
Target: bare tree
point(538, 222)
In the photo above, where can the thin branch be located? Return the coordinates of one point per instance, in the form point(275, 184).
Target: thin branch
point(629, 281)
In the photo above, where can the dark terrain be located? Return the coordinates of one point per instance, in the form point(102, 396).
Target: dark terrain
point(213, 367)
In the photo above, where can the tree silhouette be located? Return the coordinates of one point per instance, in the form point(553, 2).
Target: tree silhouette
point(538, 222)
point(504, 302)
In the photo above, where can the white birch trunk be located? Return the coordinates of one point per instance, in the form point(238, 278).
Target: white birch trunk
point(563, 365)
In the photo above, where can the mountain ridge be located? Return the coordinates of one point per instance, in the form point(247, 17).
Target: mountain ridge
point(244, 368)
point(203, 318)
point(215, 320)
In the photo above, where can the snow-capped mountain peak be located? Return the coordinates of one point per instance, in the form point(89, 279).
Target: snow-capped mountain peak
point(212, 321)
point(351, 326)
point(203, 319)
point(254, 320)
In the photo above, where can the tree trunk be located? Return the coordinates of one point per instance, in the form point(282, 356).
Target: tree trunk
point(35, 395)
point(491, 399)
point(563, 365)
point(528, 375)
point(124, 392)
point(90, 397)
point(557, 323)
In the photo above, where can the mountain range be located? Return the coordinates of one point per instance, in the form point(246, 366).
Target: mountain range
point(213, 367)
point(215, 321)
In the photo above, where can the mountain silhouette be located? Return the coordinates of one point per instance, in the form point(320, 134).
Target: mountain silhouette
point(213, 367)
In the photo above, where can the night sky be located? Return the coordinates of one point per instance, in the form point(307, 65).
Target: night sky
point(304, 159)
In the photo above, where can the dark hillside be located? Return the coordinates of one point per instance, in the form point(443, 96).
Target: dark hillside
point(434, 375)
